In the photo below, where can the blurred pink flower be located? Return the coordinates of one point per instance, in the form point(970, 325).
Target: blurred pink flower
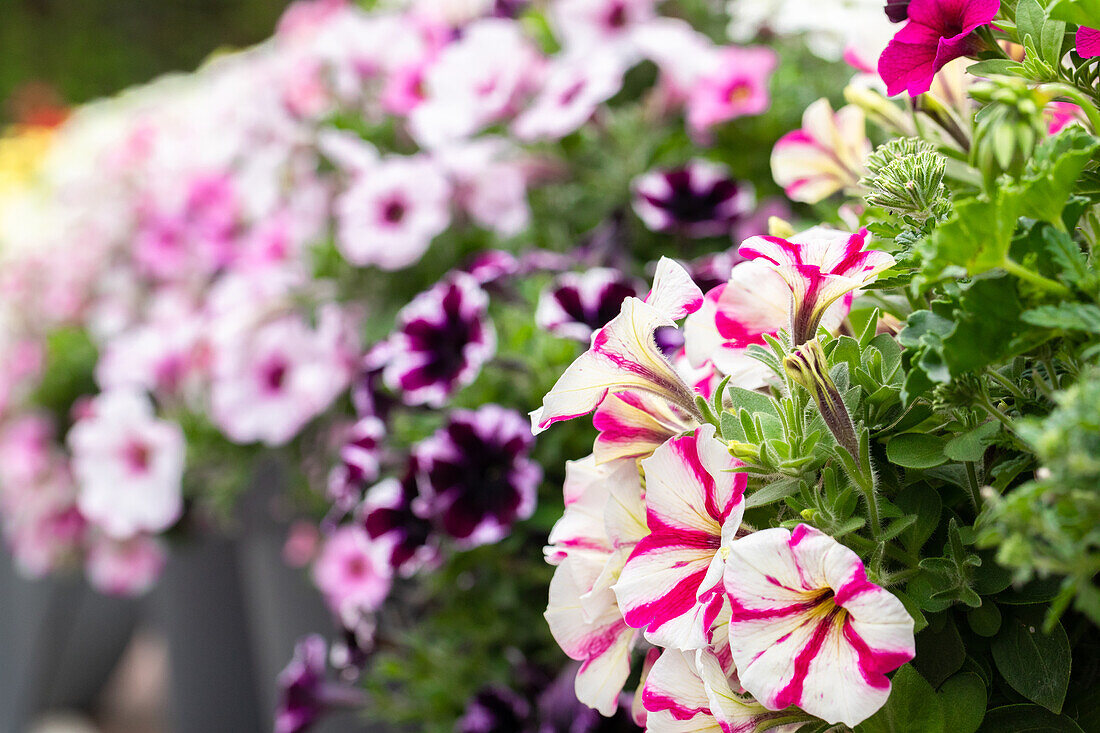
point(127, 568)
point(735, 87)
point(128, 465)
point(353, 571)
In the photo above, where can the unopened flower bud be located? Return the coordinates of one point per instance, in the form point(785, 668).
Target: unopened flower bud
point(807, 366)
point(906, 177)
point(746, 452)
point(780, 227)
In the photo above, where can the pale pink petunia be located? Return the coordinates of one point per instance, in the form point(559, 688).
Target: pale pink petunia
point(754, 303)
point(272, 381)
point(808, 629)
point(737, 86)
point(690, 692)
point(353, 572)
point(574, 87)
point(390, 214)
point(671, 586)
point(586, 25)
point(127, 568)
point(128, 465)
point(624, 356)
point(1088, 42)
point(825, 156)
point(477, 80)
point(604, 518)
point(820, 266)
point(488, 182)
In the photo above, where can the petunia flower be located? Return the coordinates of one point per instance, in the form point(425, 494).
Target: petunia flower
point(126, 568)
point(754, 303)
point(353, 572)
point(634, 424)
point(698, 199)
point(443, 338)
point(477, 475)
point(824, 156)
point(689, 692)
point(305, 695)
point(938, 31)
point(604, 518)
point(359, 464)
point(820, 266)
point(808, 629)
point(495, 709)
point(575, 305)
point(624, 356)
point(671, 584)
point(575, 85)
point(391, 212)
point(390, 511)
point(736, 86)
point(128, 465)
point(1088, 42)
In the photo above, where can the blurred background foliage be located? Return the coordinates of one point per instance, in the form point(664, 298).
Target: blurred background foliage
point(83, 49)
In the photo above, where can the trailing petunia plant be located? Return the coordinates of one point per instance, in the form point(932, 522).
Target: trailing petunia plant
point(865, 499)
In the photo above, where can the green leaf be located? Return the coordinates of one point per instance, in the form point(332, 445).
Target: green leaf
point(975, 238)
point(1053, 171)
point(985, 620)
point(1029, 19)
point(916, 450)
point(1081, 12)
point(940, 651)
point(1052, 36)
point(912, 707)
point(922, 501)
point(1024, 718)
point(963, 698)
point(995, 67)
point(1065, 316)
point(1035, 664)
point(754, 402)
point(1072, 262)
point(971, 445)
point(773, 492)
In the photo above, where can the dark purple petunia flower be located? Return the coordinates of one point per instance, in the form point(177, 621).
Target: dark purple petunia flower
point(698, 199)
point(495, 264)
point(577, 304)
point(495, 710)
point(560, 711)
point(897, 10)
point(359, 462)
point(390, 510)
point(443, 338)
point(476, 476)
point(305, 695)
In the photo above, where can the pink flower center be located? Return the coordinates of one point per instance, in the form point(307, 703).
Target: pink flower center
point(357, 567)
point(739, 92)
point(616, 16)
point(394, 211)
point(136, 455)
point(273, 375)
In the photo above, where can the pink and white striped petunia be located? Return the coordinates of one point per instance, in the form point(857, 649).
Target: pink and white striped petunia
point(624, 356)
point(604, 518)
point(755, 302)
point(808, 629)
point(671, 584)
point(634, 424)
point(689, 692)
point(820, 266)
point(824, 156)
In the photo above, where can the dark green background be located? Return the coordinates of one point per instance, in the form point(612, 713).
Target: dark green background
point(90, 48)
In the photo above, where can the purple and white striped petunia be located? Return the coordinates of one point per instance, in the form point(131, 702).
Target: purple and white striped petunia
point(624, 356)
point(604, 518)
point(671, 584)
point(808, 629)
point(699, 199)
point(820, 266)
point(390, 510)
point(825, 156)
point(737, 314)
point(443, 338)
point(477, 478)
point(577, 304)
point(689, 692)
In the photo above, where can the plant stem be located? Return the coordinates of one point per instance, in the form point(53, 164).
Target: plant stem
point(1044, 283)
point(1007, 384)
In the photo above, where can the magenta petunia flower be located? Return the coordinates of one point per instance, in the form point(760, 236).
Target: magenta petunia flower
point(938, 31)
point(390, 511)
point(1088, 42)
point(807, 628)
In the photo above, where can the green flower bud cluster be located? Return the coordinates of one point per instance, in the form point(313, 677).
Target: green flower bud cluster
point(906, 179)
point(1008, 127)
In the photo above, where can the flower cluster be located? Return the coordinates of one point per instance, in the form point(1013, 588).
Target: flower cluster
point(653, 548)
